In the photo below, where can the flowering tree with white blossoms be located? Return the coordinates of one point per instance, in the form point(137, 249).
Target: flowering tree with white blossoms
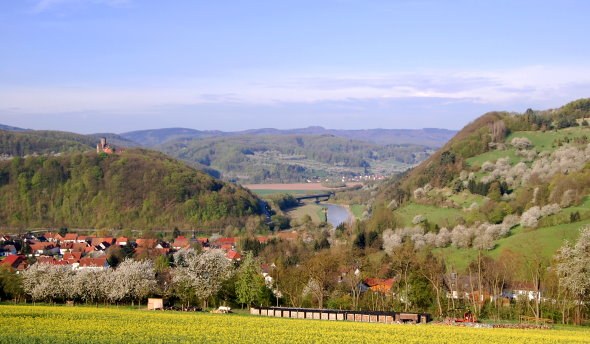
point(573, 262)
point(204, 274)
point(133, 280)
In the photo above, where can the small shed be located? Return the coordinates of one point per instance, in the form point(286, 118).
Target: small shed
point(155, 304)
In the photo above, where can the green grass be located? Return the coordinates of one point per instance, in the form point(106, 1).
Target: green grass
point(494, 155)
point(311, 209)
point(444, 217)
point(263, 192)
point(528, 242)
point(545, 241)
point(357, 210)
point(465, 199)
point(543, 141)
point(456, 259)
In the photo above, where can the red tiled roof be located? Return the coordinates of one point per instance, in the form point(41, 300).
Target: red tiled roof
point(180, 242)
point(41, 246)
point(379, 284)
point(233, 255)
point(71, 236)
point(226, 247)
point(93, 262)
point(147, 243)
point(262, 239)
point(226, 241)
point(45, 260)
point(203, 240)
point(74, 256)
point(67, 246)
point(79, 247)
point(13, 261)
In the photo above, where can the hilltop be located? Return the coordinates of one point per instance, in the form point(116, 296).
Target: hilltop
point(135, 189)
point(505, 183)
point(21, 143)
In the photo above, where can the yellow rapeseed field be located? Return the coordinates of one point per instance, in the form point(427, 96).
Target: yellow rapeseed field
point(58, 324)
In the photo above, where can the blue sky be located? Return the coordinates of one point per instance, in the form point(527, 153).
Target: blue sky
point(121, 65)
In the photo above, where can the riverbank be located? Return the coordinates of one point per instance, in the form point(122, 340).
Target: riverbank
point(337, 213)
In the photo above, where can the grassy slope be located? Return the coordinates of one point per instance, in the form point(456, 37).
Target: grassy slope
point(444, 217)
point(547, 239)
point(543, 141)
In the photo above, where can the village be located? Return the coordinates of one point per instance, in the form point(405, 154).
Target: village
point(89, 252)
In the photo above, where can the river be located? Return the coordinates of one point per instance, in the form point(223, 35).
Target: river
point(337, 214)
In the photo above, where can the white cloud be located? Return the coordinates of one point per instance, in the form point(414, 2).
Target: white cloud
point(44, 5)
point(530, 86)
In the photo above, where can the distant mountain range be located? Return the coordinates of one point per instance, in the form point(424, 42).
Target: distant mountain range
point(429, 137)
point(9, 128)
point(257, 155)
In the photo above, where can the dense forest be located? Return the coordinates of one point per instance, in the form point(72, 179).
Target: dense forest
point(22, 143)
point(134, 189)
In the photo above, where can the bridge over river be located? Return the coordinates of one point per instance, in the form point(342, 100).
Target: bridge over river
point(318, 197)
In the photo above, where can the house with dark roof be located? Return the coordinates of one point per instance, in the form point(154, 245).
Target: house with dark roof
point(7, 250)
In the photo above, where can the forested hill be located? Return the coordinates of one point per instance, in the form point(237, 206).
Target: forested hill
point(294, 158)
point(136, 189)
point(21, 143)
point(489, 133)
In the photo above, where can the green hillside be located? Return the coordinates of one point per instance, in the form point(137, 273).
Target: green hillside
point(506, 183)
point(135, 189)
